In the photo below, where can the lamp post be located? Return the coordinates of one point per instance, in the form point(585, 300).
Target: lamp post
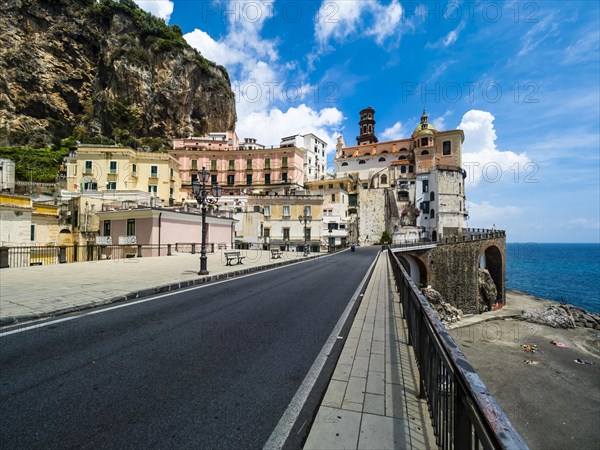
point(305, 219)
point(204, 195)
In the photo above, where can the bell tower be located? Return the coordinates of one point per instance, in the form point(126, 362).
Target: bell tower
point(367, 127)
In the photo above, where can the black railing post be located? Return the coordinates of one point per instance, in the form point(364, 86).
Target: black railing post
point(169, 249)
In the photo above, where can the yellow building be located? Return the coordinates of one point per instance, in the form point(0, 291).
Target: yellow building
point(111, 168)
point(26, 223)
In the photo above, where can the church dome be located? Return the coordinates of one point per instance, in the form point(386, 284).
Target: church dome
point(424, 128)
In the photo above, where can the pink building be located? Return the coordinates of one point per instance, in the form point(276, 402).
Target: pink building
point(144, 226)
point(250, 171)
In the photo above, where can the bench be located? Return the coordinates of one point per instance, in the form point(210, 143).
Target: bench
point(276, 254)
point(232, 256)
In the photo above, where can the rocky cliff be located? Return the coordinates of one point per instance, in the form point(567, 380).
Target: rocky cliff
point(88, 68)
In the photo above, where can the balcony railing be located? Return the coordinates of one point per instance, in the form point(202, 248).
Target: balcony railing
point(463, 412)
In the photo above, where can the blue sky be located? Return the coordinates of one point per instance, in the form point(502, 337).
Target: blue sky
point(520, 78)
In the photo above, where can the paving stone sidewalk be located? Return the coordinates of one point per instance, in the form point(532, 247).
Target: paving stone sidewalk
point(28, 293)
point(372, 399)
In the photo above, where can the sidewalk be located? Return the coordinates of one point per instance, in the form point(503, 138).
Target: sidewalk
point(28, 293)
point(372, 399)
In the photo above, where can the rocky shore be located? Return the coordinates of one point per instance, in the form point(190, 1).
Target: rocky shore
point(541, 361)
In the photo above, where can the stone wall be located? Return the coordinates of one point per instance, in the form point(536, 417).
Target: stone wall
point(372, 215)
point(452, 270)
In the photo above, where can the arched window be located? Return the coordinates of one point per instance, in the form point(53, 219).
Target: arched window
point(431, 196)
point(383, 179)
point(400, 158)
point(370, 128)
point(402, 169)
point(385, 151)
point(424, 152)
point(362, 161)
point(381, 159)
point(344, 164)
point(411, 169)
point(432, 214)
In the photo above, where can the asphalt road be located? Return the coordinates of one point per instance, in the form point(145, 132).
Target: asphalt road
point(214, 367)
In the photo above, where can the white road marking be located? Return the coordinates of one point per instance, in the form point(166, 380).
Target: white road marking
point(156, 297)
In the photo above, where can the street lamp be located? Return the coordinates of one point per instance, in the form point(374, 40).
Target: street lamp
point(305, 219)
point(201, 194)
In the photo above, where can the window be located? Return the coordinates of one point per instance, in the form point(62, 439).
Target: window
point(362, 161)
point(213, 164)
point(432, 214)
point(411, 169)
point(106, 228)
point(231, 164)
point(194, 164)
point(153, 171)
point(424, 152)
point(402, 169)
point(230, 180)
point(284, 177)
point(171, 172)
point(286, 211)
point(381, 159)
point(424, 142)
point(425, 207)
point(383, 179)
point(425, 185)
point(267, 178)
point(267, 163)
point(447, 148)
point(171, 192)
point(307, 211)
point(249, 178)
point(267, 211)
point(249, 164)
point(130, 227)
point(286, 234)
point(432, 196)
point(32, 232)
point(284, 161)
point(90, 186)
point(213, 179)
point(112, 167)
point(344, 164)
point(153, 189)
point(333, 197)
point(194, 177)
point(256, 208)
point(111, 185)
point(88, 167)
point(267, 232)
point(134, 168)
point(331, 186)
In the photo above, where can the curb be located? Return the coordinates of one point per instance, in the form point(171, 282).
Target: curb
point(148, 292)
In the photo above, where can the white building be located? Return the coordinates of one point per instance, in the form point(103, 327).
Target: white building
point(7, 175)
point(315, 158)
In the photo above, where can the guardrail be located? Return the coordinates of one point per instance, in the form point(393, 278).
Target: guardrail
point(472, 234)
point(23, 256)
point(463, 412)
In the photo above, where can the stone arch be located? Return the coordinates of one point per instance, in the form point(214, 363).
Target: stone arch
point(434, 235)
point(491, 258)
point(383, 179)
point(415, 267)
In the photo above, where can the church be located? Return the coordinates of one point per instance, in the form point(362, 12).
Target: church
point(413, 188)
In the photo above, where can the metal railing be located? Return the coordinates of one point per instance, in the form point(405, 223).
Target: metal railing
point(472, 234)
point(23, 256)
point(463, 412)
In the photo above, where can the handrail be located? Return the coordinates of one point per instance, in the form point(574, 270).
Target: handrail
point(463, 412)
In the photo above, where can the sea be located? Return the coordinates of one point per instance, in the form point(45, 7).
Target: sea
point(560, 272)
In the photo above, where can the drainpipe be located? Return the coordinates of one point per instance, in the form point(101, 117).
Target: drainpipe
point(159, 228)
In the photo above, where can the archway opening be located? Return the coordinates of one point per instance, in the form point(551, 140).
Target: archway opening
point(492, 261)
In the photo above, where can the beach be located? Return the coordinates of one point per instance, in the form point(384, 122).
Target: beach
point(553, 401)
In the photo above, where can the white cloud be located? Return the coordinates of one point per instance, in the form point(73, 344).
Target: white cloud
point(541, 31)
point(159, 8)
point(270, 103)
point(486, 215)
point(440, 121)
point(450, 38)
point(582, 222)
point(337, 21)
point(268, 126)
point(481, 158)
point(395, 132)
